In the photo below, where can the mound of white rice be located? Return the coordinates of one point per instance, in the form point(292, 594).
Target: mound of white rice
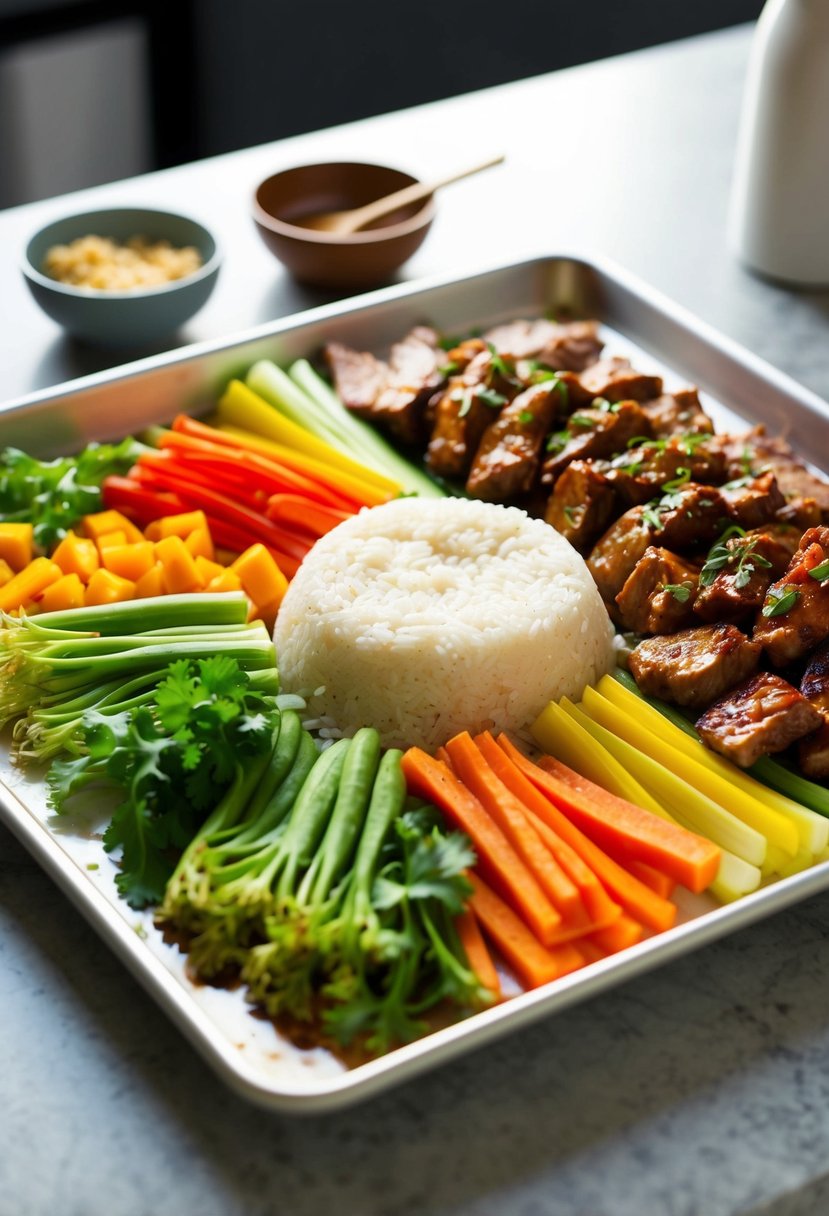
point(424, 617)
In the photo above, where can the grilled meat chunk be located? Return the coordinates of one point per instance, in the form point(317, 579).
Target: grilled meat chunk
point(572, 346)
point(738, 571)
point(793, 478)
point(813, 754)
point(675, 413)
point(582, 504)
point(592, 434)
point(813, 751)
point(614, 556)
point(358, 376)
point(462, 415)
point(754, 502)
point(394, 394)
point(506, 461)
point(814, 683)
point(690, 516)
point(801, 513)
point(658, 595)
point(795, 615)
point(695, 666)
point(615, 380)
point(463, 354)
point(649, 467)
point(762, 715)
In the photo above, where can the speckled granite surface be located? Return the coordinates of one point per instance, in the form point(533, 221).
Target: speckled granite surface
point(701, 1090)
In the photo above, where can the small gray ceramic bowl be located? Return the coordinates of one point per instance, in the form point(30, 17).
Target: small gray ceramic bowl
point(122, 318)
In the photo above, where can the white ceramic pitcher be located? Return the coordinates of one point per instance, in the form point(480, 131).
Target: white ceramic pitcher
point(779, 223)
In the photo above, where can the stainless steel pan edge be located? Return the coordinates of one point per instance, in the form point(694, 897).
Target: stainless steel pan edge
point(112, 402)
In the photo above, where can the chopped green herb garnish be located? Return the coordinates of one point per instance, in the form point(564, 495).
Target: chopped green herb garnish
point(583, 420)
point(689, 443)
point(448, 369)
point(680, 591)
point(821, 572)
point(651, 516)
point(526, 416)
point(683, 476)
point(570, 515)
point(488, 396)
point(557, 441)
point(780, 601)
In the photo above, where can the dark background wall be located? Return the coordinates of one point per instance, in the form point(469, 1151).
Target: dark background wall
point(92, 90)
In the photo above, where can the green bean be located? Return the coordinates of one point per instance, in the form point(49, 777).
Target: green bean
point(311, 813)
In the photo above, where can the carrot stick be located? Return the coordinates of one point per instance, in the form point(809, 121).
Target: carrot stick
point(598, 903)
point(443, 755)
point(473, 770)
point(430, 779)
point(608, 819)
point(643, 904)
point(622, 933)
point(475, 949)
point(661, 883)
point(533, 963)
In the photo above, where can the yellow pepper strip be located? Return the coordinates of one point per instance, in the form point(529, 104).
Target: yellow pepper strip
point(241, 407)
point(691, 808)
point(813, 829)
point(628, 725)
point(556, 732)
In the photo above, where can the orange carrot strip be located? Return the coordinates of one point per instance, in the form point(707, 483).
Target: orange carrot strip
point(443, 755)
point(622, 933)
point(601, 908)
point(608, 819)
point(430, 779)
point(643, 904)
point(661, 883)
point(473, 770)
point(477, 954)
point(533, 963)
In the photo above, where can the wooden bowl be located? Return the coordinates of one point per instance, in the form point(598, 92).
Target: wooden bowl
point(324, 259)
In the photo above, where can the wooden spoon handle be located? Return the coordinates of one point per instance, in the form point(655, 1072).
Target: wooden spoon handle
point(363, 216)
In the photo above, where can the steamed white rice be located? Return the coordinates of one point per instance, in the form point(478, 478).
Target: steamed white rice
point(424, 617)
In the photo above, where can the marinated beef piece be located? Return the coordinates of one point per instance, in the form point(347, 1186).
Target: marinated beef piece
point(613, 558)
point(506, 462)
point(754, 502)
point(463, 354)
point(592, 434)
point(572, 346)
point(358, 376)
point(615, 380)
point(658, 596)
point(738, 571)
point(462, 415)
point(675, 413)
point(801, 513)
point(695, 666)
point(582, 504)
point(795, 615)
point(763, 715)
point(690, 516)
point(414, 374)
point(646, 468)
point(813, 752)
point(793, 478)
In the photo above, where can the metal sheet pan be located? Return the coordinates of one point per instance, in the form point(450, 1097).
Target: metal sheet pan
point(737, 387)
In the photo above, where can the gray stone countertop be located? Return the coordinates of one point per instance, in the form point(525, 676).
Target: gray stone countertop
point(699, 1090)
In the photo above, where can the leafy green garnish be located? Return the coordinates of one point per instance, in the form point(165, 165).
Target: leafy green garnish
point(488, 396)
point(680, 591)
point(526, 417)
point(743, 556)
point(780, 600)
point(683, 476)
point(172, 760)
point(55, 494)
point(821, 572)
point(570, 514)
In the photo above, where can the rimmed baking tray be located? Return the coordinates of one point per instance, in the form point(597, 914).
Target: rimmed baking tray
point(737, 388)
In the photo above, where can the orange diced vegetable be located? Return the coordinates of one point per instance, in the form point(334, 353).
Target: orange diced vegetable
point(6, 572)
point(77, 555)
point(200, 543)
point(16, 544)
point(178, 567)
point(67, 592)
point(207, 568)
point(110, 521)
point(31, 581)
point(226, 581)
point(260, 576)
point(151, 584)
point(107, 588)
point(130, 561)
point(176, 525)
point(111, 540)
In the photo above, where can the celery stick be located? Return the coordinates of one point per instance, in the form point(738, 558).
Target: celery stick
point(735, 878)
point(362, 438)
